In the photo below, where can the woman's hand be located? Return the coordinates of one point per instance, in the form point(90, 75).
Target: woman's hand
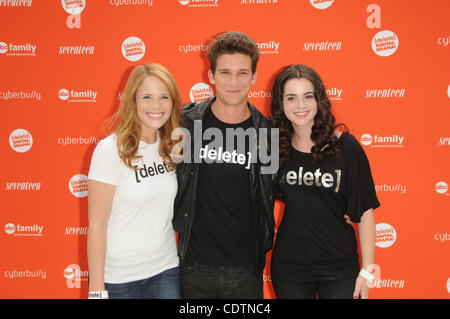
point(362, 287)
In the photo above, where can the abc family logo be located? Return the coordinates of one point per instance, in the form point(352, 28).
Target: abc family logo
point(382, 141)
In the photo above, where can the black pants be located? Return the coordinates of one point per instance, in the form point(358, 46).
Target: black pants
point(330, 289)
point(219, 282)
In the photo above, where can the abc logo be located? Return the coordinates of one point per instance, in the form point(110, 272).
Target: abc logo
point(3, 48)
point(184, 2)
point(366, 139)
point(441, 187)
point(69, 273)
point(10, 228)
point(63, 94)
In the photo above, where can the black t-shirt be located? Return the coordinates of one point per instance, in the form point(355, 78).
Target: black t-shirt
point(314, 242)
point(221, 233)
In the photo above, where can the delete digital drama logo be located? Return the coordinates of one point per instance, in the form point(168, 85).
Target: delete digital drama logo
point(321, 4)
point(201, 92)
point(385, 43)
point(73, 6)
point(78, 185)
point(20, 140)
point(441, 187)
point(133, 49)
point(385, 235)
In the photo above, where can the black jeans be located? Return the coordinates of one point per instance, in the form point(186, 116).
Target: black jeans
point(329, 289)
point(219, 282)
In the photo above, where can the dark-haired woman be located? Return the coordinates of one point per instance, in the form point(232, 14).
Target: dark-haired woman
point(324, 175)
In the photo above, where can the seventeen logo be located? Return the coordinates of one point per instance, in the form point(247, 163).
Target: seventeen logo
point(322, 46)
point(382, 141)
point(133, 49)
point(201, 92)
point(20, 140)
point(385, 235)
point(78, 185)
point(16, 3)
point(385, 43)
point(384, 93)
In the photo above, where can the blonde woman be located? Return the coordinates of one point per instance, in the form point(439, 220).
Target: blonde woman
point(131, 244)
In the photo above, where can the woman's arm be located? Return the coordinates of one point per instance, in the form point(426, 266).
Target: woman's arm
point(366, 229)
point(100, 200)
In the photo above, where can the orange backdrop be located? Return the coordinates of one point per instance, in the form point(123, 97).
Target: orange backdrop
point(64, 63)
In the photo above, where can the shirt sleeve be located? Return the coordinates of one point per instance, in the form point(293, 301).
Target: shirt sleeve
point(105, 162)
point(361, 194)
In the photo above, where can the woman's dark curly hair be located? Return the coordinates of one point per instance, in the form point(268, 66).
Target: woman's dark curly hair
point(322, 132)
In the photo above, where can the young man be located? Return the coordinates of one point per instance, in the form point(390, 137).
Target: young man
point(224, 205)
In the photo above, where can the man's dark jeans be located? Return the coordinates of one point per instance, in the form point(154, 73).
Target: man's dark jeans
point(219, 282)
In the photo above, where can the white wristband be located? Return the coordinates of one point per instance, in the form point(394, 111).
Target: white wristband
point(98, 294)
point(364, 273)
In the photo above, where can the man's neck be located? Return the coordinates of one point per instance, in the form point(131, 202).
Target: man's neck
point(230, 114)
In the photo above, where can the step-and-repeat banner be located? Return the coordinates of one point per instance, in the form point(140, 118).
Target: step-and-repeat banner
point(385, 65)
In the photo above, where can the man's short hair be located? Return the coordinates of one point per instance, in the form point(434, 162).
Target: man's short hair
point(230, 43)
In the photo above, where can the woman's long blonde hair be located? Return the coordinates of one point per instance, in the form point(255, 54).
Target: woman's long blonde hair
point(126, 124)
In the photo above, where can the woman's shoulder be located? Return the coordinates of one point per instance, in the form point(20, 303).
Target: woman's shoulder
point(349, 144)
point(107, 144)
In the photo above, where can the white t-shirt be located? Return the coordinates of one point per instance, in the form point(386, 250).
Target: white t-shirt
point(140, 237)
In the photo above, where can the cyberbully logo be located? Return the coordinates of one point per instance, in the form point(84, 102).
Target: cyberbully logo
point(385, 43)
point(73, 6)
point(200, 3)
point(441, 188)
point(321, 4)
point(20, 140)
point(74, 275)
point(78, 185)
point(133, 49)
point(24, 230)
point(16, 49)
point(382, 141)
point(385, 235)
point(118, 3)
point(201, 92)
point(77, 96)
